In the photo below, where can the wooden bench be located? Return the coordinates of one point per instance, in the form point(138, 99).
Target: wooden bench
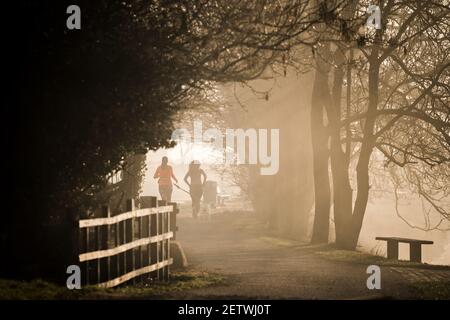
point(415, 247)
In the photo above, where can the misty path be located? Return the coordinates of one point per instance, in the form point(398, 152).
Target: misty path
point(257, 265)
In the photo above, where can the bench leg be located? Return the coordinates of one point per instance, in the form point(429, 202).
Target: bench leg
point(415, 252)
point(392, 250)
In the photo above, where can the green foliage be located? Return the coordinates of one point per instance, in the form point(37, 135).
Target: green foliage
point(91, 97)
point(86, 100)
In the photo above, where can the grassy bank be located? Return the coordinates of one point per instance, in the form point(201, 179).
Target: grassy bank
point(428, 290)
point(420, 289)
point(330, 253)
point(43, 290)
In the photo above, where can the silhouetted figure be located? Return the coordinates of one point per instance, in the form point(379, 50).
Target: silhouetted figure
point(195, 185)
point(165, 174)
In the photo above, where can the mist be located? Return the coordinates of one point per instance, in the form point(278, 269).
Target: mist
point(257, 149)
point(285, 201)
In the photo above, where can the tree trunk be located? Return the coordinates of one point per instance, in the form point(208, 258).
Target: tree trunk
point(342, 193)
point(319, 138)
point(362, 169)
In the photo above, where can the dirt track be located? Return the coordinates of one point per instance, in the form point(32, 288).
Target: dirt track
point(257, 265)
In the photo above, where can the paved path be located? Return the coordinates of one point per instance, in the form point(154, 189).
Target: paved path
point(256, 265)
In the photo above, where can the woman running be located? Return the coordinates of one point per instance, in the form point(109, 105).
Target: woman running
point(195, 185)
point(165, 174)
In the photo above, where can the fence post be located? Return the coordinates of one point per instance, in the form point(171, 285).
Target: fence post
point(75, 243)
point(102, 236)
point(98, 246)
point(147, 202)
point(173, 219)
point(129, 237)
point(122, 258)
point(173, 228)
point(139, 252)
point(165, 225)
point(83, 247)
point(88, 248)
point(106, 213)
point(117, 257)
point(150, 202)
point(166, 245)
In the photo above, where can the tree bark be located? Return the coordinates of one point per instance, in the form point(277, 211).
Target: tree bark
point(319, 138)
point(342, 193)
point(362, 169)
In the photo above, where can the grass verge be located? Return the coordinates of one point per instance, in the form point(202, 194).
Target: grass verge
point(432, 290)
point(42, 290)
point(366, 258)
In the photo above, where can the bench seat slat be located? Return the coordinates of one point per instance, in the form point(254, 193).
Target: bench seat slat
point(405, 240)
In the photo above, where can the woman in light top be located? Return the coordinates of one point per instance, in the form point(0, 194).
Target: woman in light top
point(165, 174)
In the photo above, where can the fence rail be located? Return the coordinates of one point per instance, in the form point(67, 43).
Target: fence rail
point(129, 246)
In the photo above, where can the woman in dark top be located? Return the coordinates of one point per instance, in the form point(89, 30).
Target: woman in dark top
point(195, 185)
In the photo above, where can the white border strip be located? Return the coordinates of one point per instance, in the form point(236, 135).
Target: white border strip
point(135, 273)
point(125, 247)
point(123, 216)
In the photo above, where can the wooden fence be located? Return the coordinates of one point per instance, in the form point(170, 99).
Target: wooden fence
point(127, 247)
